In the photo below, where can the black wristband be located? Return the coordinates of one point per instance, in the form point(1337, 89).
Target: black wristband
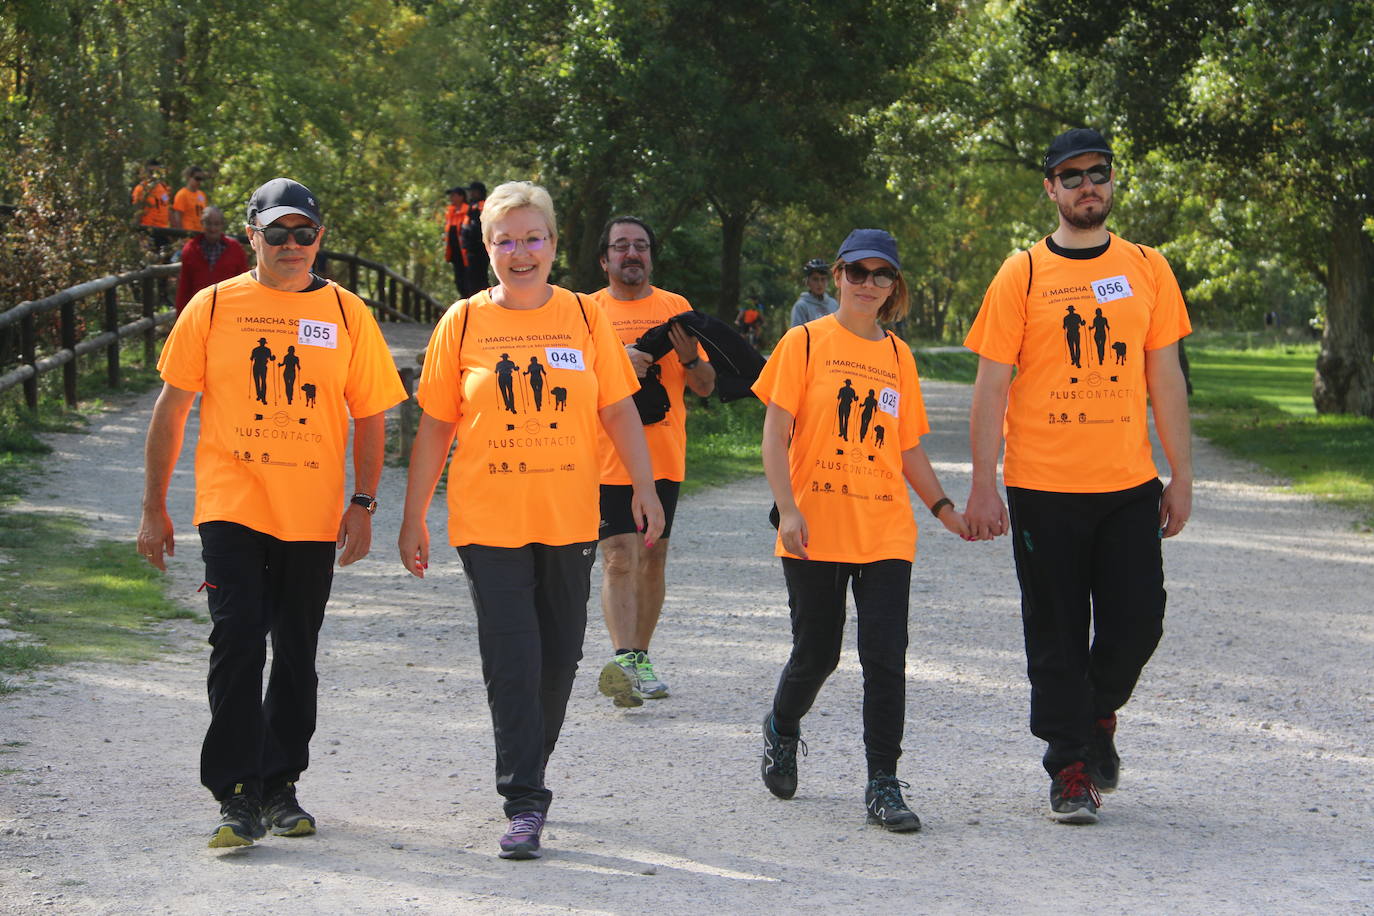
point(367, 502)
point(692, 363)
point(940, 504)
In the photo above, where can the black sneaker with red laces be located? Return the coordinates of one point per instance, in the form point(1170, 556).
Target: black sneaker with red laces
point(1103, 762)
point(1073, 797)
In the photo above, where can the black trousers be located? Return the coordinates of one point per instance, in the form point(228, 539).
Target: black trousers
point(531, 606)
point(1086, 558)
point(816, 596)
point(259, 586)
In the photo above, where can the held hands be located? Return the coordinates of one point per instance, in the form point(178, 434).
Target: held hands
point(414, 547)
point(985, 514)
point(955, 522)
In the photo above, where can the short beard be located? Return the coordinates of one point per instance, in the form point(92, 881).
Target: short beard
point(1084, 221)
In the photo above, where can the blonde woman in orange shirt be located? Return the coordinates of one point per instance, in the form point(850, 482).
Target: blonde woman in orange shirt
point(524, 484)
point(844, 517)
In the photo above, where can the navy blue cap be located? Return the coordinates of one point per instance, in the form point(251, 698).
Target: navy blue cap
point(1075, 142)
point(279, 197)
point(869, 243)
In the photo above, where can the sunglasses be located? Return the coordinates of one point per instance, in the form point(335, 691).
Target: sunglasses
point(1072, 178)
point(883, 277)
point(533, 243)
point(623, 246)
point(277, 235)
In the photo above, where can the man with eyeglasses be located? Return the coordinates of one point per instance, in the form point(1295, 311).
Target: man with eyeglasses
point(632, 588)
point(1087, 509)
point(270, 501)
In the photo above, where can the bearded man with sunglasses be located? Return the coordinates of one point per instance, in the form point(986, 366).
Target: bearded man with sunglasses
point(269, 494)
point(1087, 509)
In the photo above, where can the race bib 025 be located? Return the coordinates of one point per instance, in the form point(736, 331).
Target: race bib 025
point(890, 401)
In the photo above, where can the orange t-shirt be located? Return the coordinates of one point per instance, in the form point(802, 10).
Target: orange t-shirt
point(857, 405)
point(1076, 418)
point(155, 200)
point(190, 204)
point(454, 217)
point(279, 373)
point(525, 387)
point(668, 437)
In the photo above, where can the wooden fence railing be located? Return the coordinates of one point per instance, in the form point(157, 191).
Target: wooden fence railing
point(392, 296)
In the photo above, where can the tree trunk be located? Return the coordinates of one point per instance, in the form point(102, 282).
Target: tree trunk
point(732, 225)
point(1344, 381)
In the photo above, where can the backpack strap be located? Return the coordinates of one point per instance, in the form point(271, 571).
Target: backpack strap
point(1030, 271)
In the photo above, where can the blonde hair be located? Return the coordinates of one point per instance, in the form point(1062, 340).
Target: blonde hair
point(898, 301)
point(515, 195)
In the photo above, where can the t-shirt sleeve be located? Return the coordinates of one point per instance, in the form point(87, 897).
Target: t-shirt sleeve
point(615, 375)
point(373, 383)
point(182, 202)
point(1169, 317)
point(440, 389)
point(182, 362)
point(1001, 323)
point(783, 376)
point(912, 421)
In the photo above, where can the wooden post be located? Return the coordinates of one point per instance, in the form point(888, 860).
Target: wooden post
point(28, 346)
point(391, 293)
point(149, 307)
point(409, 414)
point(68, 334)
point(112, 326)
point(381, 294)
point(353, 275)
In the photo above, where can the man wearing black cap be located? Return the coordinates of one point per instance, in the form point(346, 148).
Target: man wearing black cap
point(1087, 509)
point(269, 494)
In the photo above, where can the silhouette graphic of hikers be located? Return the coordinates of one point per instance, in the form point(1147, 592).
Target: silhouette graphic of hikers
point(505, 381)
point(1100, 329)
point(1072, 322)
point(847, 396)
point(290, 365)
point(536, 372)
point(869, 405)
point(260, 357)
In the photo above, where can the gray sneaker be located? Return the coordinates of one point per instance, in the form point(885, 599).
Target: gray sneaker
point(651, 686)
point(620, 680)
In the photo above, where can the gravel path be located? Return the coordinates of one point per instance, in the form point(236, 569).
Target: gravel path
point(1247, 754)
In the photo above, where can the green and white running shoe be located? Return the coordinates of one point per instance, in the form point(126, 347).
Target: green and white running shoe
point(620, 680)
point(651, 686)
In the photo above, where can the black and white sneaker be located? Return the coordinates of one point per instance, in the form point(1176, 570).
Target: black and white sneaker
point(240, 820)
point(886, 807)
point(1073, 797)
point(780, 760)
point(1104, 764)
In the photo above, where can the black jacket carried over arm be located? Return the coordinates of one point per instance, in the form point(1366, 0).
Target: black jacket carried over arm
point(737, 364)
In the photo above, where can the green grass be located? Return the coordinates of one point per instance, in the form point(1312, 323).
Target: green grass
point(947, 367)
point(723, 442)
point(1257, 404)
point(75, 598)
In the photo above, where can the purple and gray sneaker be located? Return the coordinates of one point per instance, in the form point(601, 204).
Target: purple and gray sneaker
point(521, 839)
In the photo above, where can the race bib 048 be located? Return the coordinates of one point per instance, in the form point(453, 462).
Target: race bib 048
point(564, 358)
point(890, 401)
point(318, 334)
point(1112, 288)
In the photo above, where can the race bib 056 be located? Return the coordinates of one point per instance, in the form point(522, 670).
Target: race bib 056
point(1112, 288)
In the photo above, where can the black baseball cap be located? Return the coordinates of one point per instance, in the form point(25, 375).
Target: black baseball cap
point(279, 197)
point(1075, 142)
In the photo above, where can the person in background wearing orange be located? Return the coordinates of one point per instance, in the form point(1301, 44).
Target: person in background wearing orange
point(632, 586)
point(522, 490)
point(269, 495)
point(208, 258)
point(844, 517)
point(189, 205)
point(1087, 509)
point(152, 201)
point(455, 215)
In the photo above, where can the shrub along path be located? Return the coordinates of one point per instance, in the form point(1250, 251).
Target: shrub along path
point(1246, 749)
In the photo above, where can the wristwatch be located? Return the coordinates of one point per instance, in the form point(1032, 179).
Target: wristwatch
point(367, 502)
point(692, 363)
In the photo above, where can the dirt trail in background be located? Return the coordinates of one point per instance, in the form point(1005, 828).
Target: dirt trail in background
point(1247, 756)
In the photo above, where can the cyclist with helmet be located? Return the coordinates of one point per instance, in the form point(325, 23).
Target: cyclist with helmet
point(815, 302)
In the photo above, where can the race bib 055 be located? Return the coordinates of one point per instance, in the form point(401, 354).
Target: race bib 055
point(318, 334)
